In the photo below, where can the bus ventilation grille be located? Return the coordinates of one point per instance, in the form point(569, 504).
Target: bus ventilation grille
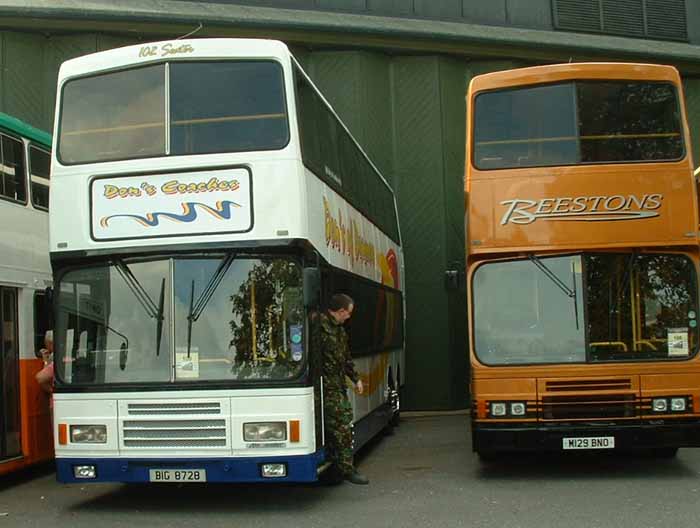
point(181, 425)
point(588, 385)
point(174, 408)
point(174, 433)
point(590, 406)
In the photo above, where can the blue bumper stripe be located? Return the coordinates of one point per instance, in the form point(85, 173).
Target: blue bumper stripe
point(300, 468)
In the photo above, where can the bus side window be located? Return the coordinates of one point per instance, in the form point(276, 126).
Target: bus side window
point(39, 163)
point(12, 177)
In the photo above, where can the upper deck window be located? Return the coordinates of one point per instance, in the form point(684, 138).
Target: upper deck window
point(576, 123)
point(176, 109)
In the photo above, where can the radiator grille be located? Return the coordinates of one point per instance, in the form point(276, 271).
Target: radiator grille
point(171, 431)
point(589, 406)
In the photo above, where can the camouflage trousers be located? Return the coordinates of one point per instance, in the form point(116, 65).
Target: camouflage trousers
point(339, 431)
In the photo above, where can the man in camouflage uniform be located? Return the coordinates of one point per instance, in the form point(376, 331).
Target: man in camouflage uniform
point(336, 364)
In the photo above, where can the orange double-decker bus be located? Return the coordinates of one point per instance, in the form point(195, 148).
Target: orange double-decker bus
point(582, 260)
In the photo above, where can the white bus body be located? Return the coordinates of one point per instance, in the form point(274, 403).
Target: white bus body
point(171, 207)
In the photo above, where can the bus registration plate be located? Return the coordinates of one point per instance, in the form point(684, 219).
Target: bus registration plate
point(177, 475)
point(590, 442)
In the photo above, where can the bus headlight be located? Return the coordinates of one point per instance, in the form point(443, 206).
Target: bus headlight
point(264, 431)
point(498, 409)
point(678, 404)
point(659, 405)
point(88, 434)
point(517, 409)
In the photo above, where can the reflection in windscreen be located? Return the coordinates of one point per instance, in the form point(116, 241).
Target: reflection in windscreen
point(522, 316)
point(251, 327)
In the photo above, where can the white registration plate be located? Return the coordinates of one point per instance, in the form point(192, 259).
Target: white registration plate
point(177, 475)
point(589, 442)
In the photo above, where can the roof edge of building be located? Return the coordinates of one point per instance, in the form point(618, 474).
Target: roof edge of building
point(432, 33)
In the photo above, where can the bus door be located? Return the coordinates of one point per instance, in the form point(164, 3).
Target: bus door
point(10, 422)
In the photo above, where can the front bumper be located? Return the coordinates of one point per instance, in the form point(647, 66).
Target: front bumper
point(302, 468)
point(492, 438)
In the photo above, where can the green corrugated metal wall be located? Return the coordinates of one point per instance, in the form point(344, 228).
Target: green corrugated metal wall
point(408, 112)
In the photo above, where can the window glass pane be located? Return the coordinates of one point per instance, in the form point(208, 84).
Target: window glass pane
point(107, 329)
point(641, 307)
point(522, 315)
point(308, 108)
point(39, 164)
point(12, 173)
point(525, 127)
point(113, 116)
point(227, 107)
point(249, 327)
point(628, 122)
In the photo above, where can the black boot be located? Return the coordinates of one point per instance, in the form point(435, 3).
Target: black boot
point(357, 478)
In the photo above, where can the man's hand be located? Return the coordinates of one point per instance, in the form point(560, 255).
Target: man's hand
point(360, 387)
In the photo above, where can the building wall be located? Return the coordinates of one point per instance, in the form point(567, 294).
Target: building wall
point(409, 113)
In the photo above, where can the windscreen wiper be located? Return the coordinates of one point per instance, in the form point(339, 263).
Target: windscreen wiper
point(153, 311)
point(571, 293)
point(196, 308)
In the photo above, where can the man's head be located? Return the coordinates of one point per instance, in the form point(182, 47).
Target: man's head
point(340, 307)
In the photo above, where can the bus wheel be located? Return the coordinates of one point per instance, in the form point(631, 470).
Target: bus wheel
point(664, 452)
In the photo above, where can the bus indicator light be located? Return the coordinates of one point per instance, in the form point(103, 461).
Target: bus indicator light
point(63, 434)
point(294, 431)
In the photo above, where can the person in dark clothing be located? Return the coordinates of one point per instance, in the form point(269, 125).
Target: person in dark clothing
point(336, 365)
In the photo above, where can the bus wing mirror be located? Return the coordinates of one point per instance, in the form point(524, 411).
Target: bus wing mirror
point(312, 286)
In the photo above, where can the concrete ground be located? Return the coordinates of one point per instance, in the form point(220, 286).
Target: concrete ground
point(423, 476)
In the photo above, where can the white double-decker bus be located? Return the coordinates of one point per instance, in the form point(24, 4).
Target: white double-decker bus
point(206, 200)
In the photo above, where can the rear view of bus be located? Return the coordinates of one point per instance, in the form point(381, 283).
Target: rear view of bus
point(583, 259)
point(190, 243)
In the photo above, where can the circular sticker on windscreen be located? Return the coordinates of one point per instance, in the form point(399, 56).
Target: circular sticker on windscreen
point(693, 323)
point(691, 314)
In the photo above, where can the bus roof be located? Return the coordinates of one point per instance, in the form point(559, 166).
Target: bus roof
point(589, 70)
point(21, 128)
point(169, 50)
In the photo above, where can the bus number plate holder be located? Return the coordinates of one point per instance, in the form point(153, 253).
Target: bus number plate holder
point(177, 475)
point(589, 442)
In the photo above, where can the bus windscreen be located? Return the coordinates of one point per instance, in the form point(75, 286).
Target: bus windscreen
point(187, 108)
point(586, 308)
point(573, 123)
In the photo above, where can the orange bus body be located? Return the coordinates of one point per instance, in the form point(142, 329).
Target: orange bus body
point(585, 212)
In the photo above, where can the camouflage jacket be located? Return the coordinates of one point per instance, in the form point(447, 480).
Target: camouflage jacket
point(333, 350)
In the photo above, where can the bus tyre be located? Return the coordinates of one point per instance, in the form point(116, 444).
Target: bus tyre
point(664, 452)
